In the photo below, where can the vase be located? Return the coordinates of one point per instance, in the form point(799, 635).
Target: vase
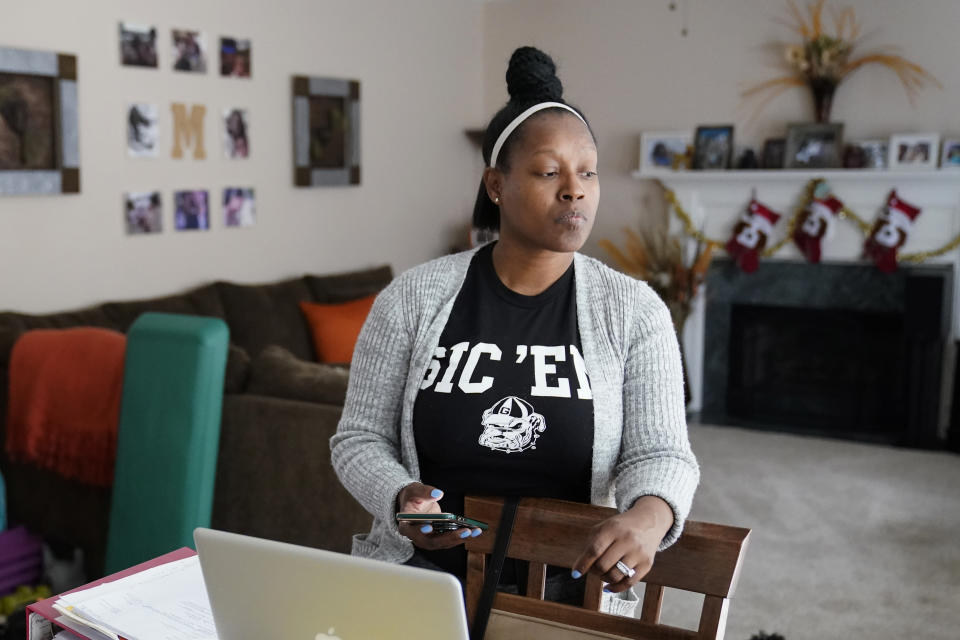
point(822, 90)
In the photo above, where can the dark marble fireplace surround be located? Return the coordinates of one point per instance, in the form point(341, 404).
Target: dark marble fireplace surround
point(835, 349)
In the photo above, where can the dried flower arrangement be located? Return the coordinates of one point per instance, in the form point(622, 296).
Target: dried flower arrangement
point(658, 259)
point(821, 61)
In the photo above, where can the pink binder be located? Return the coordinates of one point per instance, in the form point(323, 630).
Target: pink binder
point(41, 616)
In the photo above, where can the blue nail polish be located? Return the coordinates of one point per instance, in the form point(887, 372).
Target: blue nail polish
point(605, 590)
point(476, 532)
point(465, 533)
point(426, 529)
point(576, 574)
point(436, 493)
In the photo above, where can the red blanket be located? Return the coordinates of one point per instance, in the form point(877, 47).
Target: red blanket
point(65, 388)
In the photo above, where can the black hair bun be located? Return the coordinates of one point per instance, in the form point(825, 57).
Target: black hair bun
point(532, 77)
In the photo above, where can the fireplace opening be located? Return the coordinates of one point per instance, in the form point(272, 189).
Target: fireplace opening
point(836, 349)
point(822, 371)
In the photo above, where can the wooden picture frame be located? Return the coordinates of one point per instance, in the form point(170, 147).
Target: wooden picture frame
point(326, 131)
point(713, 147)
point(20, 71)
point(773, 150)
point(814, 145)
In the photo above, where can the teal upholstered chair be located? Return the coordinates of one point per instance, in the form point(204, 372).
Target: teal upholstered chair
point(168, 436)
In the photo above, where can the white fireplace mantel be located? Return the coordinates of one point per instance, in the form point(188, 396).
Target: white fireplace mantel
point(839, 176)
point(716, 199)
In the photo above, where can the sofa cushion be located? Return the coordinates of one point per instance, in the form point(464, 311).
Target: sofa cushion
point(8, 336)
point(202, 301)
point(342, 287)
point(262, 315)
point(238, 370)
point(89, 317)
point(336, 327)
point(278, 373)
point(274, 477)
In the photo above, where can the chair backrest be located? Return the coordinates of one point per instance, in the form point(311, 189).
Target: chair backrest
point(168, 436)
point(706, 559)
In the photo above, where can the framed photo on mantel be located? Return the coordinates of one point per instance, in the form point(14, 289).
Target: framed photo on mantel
point(713, 147)
point(664, 152)
point(39, 141)
point(914, 151)
point(816, 145)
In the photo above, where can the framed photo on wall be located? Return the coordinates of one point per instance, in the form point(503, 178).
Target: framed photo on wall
point(814, 145)
point(914, 151)
point(39, 132)
point(660, 152)
point(143, 134)
point(235, 54)
point(236, 133)
point(239, 207)
point(189, 51)
point(326, 131)
point(713, 147)
point(143, 212)
point(191, 210)
point(138, 45)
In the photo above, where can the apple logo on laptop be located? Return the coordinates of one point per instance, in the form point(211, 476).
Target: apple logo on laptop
point(329, 635)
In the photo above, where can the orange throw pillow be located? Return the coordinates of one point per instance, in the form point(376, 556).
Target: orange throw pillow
point(336, 327)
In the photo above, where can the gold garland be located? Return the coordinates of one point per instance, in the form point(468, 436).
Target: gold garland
point(845, 213)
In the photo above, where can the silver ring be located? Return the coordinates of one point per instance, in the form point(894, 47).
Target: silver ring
point(624, 569)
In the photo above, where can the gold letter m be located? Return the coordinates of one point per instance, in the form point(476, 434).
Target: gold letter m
point(188, 130)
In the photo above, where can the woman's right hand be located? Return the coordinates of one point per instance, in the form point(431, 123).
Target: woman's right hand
point(421, 498)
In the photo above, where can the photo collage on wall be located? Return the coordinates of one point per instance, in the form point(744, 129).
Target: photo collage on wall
point(189, 54)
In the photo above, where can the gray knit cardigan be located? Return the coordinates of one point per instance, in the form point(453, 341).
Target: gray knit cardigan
point(640, 444)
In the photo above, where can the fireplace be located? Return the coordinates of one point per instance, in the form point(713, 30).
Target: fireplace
point(837, 350)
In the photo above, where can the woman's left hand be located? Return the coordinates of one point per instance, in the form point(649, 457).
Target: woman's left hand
point(631, 537)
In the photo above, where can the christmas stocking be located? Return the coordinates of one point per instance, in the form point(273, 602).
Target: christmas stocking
point(816, 223)
point(890, 232)
point(750, 235)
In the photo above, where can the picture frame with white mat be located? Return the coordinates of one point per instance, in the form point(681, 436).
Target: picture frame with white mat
point(914, 151)
point(663, 152)
point(950, 154)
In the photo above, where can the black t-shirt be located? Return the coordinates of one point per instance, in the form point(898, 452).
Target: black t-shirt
point(506, 406)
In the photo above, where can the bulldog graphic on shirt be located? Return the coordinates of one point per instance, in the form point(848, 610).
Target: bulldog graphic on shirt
point(511, 425)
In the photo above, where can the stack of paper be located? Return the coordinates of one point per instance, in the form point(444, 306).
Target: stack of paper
point(167, 602)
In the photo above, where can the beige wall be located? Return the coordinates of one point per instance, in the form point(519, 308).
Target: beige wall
point(625, 63)
point(429, 69)
point(420, 71)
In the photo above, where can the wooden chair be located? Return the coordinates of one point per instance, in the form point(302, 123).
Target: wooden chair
point(706, 559)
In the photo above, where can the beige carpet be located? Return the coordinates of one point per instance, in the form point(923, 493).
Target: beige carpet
point(849, 540)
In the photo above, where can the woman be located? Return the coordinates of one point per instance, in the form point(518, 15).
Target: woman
point(521, 367)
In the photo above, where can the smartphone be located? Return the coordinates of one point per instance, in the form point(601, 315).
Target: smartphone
point(442, 521)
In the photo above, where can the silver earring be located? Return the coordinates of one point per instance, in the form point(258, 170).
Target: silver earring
point(496, 200)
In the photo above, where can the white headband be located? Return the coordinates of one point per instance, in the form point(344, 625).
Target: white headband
point(519, 120)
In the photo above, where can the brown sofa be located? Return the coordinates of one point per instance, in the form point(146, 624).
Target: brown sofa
point(280, 407)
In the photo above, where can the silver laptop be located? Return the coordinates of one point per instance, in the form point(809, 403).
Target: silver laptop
point(264, 589)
